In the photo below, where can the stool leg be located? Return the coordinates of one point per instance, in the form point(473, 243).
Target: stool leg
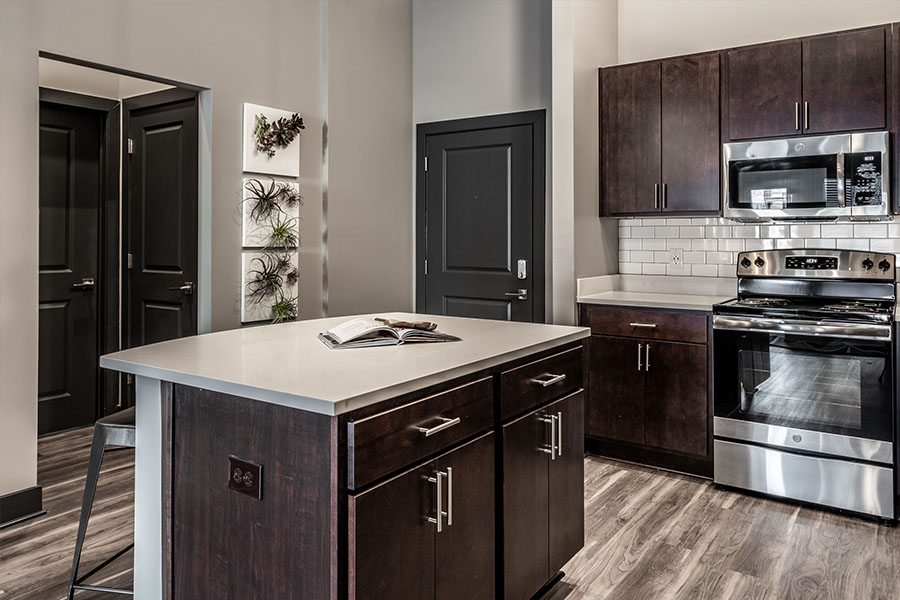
point(98, 445)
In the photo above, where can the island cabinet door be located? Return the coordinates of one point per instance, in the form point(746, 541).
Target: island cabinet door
point(526, 447)
point(391, 550)
point(397, 548)
point(465, 547)
point(566, 492)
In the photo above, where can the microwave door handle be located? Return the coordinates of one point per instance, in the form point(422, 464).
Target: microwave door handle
point(839, 175)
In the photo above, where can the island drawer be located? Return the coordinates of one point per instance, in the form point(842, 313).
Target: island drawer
point(388, 441)
point(535, 383)
point(648, 324)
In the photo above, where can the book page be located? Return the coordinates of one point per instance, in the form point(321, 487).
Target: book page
point(355, 328)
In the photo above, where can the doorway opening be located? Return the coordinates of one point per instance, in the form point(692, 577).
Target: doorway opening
point(119, 229)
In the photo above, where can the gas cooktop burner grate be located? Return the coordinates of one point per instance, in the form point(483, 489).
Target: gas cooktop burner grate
point(763, 302)
point(855, 306)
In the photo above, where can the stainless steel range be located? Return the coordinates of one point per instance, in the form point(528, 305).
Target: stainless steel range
point(804, 379)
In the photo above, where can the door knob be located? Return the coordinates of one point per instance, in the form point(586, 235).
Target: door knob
point(520, 294)
point(187, 288)
point(86, 284)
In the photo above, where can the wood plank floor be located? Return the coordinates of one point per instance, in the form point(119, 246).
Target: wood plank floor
point(649, 535)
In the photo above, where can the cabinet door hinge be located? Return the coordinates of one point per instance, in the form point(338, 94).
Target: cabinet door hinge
point(130, 146)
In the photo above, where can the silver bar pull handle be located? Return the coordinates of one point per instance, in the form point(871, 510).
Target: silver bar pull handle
point(647, 325)
point(559, 434)
point(647, 360)
point(806, 115)
point(655, 195)
point(551, 420)
point(640, 347)
point(445, 424)
point(439, 513)
point(797, 116)
point(551, 379)
point(665, 194)
point(86, 284)
point(449, 496)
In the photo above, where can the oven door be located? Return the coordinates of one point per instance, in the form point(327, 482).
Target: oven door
point(807, 392)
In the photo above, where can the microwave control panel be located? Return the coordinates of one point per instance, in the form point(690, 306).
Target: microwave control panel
point(862, 171)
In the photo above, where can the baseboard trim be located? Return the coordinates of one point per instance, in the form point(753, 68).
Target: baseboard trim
point(20, 506)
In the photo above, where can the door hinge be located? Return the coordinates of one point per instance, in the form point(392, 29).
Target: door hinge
point(426, 164)
point(130, 146)
point(426, 267)
point(130, 260)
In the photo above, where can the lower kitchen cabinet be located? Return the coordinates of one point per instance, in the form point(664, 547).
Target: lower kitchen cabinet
point(429, 532)
point(543, 498)
point(648, 387)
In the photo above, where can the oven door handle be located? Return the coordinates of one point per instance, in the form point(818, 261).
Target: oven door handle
point(856, 331)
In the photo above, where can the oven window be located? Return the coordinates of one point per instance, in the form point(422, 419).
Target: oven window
point(782, 183)
point(829, 385)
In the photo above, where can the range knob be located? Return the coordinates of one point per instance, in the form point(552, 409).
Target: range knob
point(759, 262)
point(745, 262)
point(884, 265)
point(867, 264)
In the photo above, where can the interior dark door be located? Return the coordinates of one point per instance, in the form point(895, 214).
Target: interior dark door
point(764, 91)
point(391, 542)
point(631, 131)
point(161, 209)
point(525, 506)
point(483, 226)
point(566, 509)
point(69, 200)
point(616, 403)
point(844, 81)
point(690, 133)
point(464, 550)
point(676, 397)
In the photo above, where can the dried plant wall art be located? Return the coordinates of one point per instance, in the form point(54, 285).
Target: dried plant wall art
point(271, 214)
point(270, 286)
point(271, 141)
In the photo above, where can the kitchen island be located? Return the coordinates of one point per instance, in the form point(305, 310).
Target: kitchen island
point(268, 466)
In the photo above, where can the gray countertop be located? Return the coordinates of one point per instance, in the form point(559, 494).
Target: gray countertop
point(287, 364)
point(677, 293)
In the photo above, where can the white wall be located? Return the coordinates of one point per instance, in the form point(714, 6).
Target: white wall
point(370, 249)
point(657, 28)
point(482, 57)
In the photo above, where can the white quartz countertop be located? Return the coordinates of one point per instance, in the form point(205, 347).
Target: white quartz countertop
point(287, 364)
point(678, 293)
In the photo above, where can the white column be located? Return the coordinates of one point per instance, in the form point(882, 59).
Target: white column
point(150, 487)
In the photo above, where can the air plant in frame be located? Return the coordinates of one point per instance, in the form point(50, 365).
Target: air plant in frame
point(267, 275)
point(284, 308)
point(270, 198)
point(283, 233)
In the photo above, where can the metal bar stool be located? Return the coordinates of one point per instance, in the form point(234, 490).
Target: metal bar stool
point(114, 430)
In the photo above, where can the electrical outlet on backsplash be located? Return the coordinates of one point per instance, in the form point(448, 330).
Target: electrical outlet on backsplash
point(708, 247)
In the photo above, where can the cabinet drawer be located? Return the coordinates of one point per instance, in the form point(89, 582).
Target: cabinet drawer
point(391, 440)
point(654, 325)
point(540, 381)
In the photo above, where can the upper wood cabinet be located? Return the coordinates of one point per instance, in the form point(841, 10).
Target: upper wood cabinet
point(822, 84)
point(659, 137)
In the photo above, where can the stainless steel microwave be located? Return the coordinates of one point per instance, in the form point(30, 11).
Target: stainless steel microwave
point(833, 177)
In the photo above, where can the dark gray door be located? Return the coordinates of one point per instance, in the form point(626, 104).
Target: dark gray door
point(69, 199)
point(482, 235)
point(161, 209)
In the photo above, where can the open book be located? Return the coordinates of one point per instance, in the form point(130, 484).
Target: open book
point(365, 332)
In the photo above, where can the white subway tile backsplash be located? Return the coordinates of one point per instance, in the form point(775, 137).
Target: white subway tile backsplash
point(704, 271)
point(654, 269)
point(806, 231)
point(854, 244)
point(654, 244)
point(690, 232)
point(870, 230)
point(710, 245)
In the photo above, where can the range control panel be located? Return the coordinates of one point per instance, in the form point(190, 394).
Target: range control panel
point(811, 262)
point(817, 263)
